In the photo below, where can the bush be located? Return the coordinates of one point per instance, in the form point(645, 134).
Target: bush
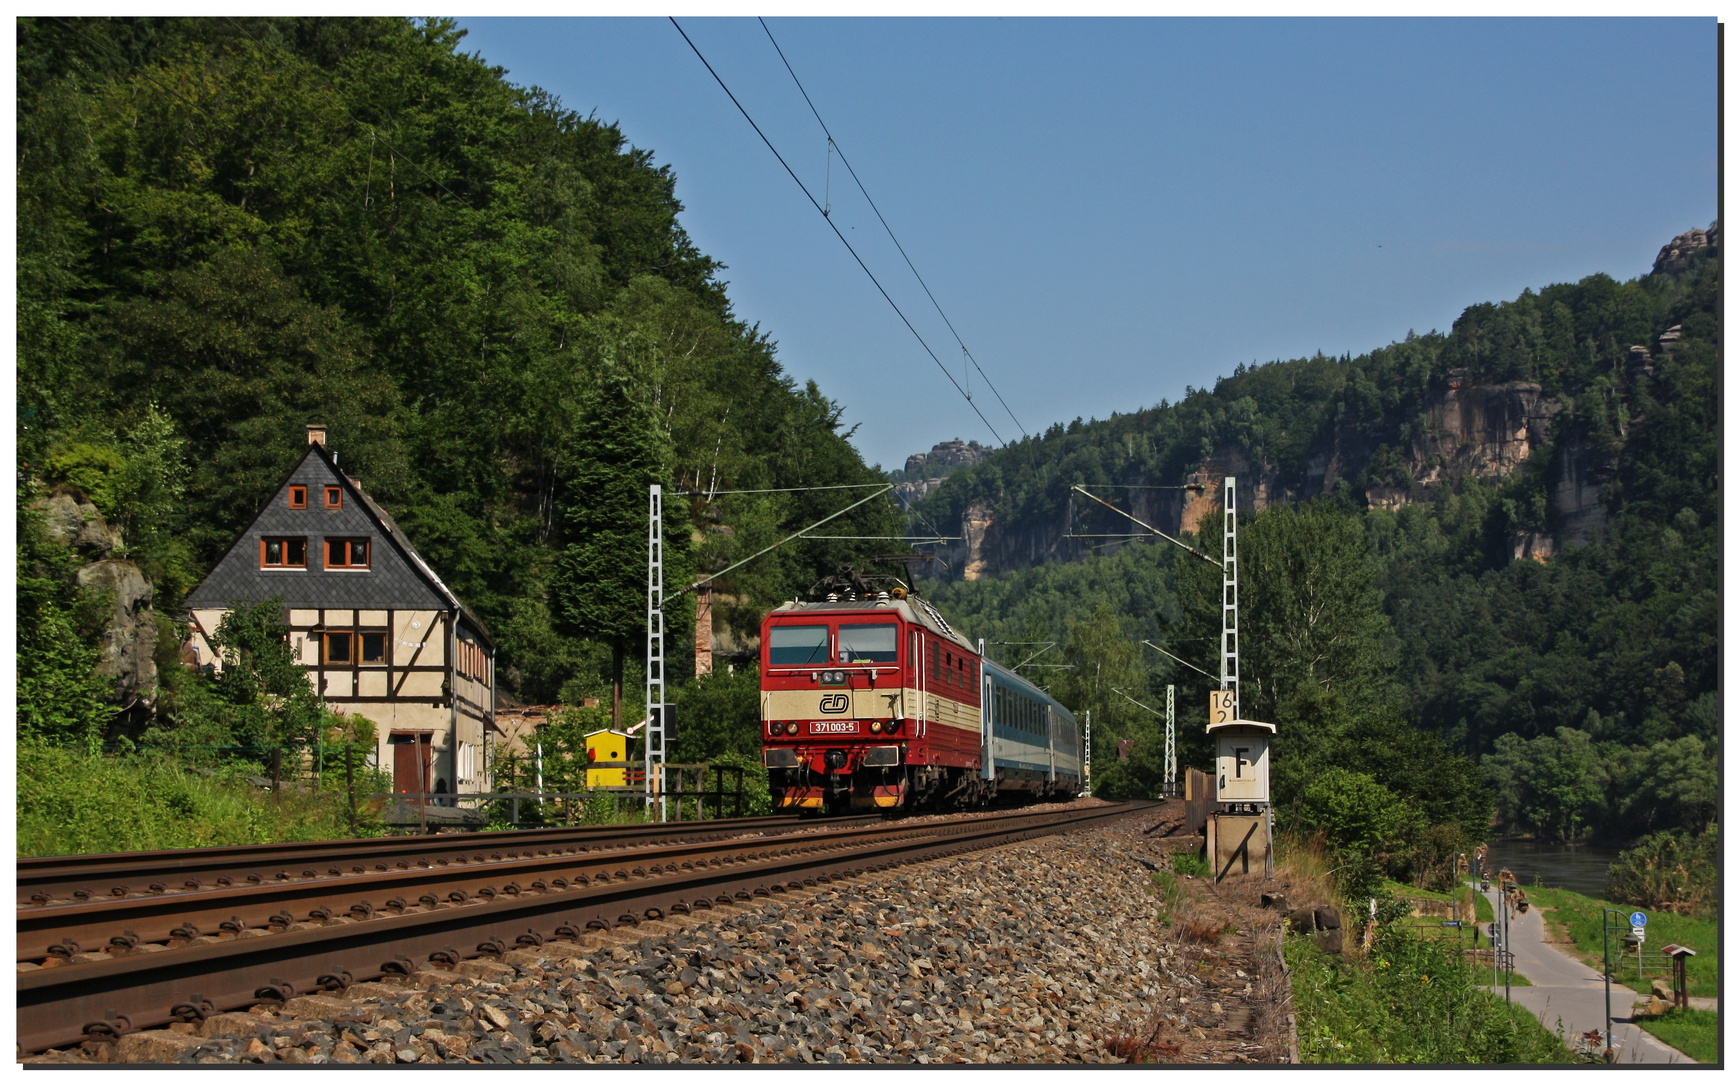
point(1356, 813)
point(1669, 871)
point(72, 802)
point(1410, 1001)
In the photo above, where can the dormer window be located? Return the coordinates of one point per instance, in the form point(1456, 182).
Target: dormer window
point(297, 496)
point(283, 552)
point(346, 553)
point(333, 497)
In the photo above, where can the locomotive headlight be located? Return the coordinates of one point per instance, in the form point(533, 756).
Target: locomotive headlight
point(793, 728)
point(776, 727)
point(892, 725)
point(875, 727)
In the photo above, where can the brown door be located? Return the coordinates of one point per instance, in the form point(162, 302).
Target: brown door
point(412, 765)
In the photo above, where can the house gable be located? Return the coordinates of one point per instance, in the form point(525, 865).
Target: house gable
point(392, 579)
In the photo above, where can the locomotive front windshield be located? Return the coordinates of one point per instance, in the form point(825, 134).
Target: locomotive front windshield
point(800, 644)
point(872, 643)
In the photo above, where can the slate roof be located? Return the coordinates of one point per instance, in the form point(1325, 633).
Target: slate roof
point(398, 576)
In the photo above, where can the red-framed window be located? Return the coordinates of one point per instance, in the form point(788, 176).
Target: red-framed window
point(348, 552)
point(297, 496)
point(283, 552)
point(333, 497)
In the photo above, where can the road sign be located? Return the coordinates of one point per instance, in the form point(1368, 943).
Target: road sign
point(1636, 935)
point(1452, 922)
point(1639, 919)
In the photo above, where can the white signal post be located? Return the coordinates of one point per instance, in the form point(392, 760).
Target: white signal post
point(655, 749)
point(1230, 602)
point(1169, 763)
point(1242, 746)
point(1087, 790)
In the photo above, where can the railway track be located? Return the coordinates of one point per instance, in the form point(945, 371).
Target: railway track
point(81, 878)
point(326, 933)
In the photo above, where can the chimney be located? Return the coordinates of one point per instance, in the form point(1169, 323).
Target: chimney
point(315, 434)
point(702, 661)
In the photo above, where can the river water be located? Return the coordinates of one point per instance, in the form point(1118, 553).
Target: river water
point(1581, 868)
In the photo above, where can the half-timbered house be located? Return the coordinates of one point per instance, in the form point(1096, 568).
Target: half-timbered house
point(377, 630)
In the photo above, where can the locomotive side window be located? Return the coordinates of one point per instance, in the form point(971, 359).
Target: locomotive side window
point(869, 643)
point(800, 644)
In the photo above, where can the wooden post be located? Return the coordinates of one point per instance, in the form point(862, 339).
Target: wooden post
point(276, 772)
point(421, 784)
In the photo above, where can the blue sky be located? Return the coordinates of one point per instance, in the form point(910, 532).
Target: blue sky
point(1112, 210)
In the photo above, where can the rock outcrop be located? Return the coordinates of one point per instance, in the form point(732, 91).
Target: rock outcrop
point(76, 522)
point(948, 456)
point(1480, 431)
point(1676, 254)
point(928, 471)
point(976, 522)
point(129, 640)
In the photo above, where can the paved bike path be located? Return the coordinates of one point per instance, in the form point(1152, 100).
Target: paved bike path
point(1573, 993)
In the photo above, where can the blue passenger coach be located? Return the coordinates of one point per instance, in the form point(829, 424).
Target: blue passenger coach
point(1032, 745)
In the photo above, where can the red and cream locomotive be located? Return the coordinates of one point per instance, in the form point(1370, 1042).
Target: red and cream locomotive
point(871, 700)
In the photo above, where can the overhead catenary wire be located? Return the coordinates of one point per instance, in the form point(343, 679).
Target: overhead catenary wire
point(767, 491)
point(839, 233)
point(1178, 543)
point(831, 144)
point(883, 488)
point(1188, 663)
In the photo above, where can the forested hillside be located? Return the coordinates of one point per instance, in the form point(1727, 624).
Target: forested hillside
point(1514, 527)
point(231, 227)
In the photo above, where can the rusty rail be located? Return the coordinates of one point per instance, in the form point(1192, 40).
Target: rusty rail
point(68, 930)
point(59, 880)
point(58, 1006)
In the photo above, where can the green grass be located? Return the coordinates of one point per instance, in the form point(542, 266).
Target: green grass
point(1412, 1001)
point(1695, 1033)
point(1580, 917)
point(73, 803)
point(1187, 863)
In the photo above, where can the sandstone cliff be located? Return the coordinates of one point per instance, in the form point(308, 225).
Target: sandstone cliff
point(129, 640)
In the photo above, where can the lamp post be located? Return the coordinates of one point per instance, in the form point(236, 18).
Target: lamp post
point(1637, 921)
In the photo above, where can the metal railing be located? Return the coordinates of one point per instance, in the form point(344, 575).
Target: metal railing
point(679, 788)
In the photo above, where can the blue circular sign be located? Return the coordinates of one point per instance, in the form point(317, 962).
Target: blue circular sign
point(1639, 918)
